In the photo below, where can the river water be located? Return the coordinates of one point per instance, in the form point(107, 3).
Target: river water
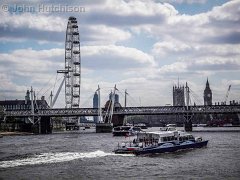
point(87, 155)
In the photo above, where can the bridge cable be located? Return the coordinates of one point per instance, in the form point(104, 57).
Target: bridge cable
point(195, 96)
point(50, 87)
point(129, 102)
point(46, 84)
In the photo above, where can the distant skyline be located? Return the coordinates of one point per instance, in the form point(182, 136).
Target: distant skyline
point(141, 46)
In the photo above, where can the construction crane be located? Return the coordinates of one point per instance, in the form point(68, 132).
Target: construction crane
point(226, 97)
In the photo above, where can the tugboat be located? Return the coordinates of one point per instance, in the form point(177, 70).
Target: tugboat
point(160, 142)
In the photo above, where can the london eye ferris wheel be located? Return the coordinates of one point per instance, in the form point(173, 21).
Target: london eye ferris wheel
point(72, 64)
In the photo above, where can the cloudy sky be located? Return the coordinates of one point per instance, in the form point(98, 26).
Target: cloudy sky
point(141, 46)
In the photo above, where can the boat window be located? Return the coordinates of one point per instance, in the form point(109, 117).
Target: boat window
point(191, 137)
point(136, 128)
point(126, 128)
point(169, 138)
point(180, 139)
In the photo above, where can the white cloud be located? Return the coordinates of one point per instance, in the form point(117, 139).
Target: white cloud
point(170, 46)
point(101, 34)
point(10, 90)
point(31, 61)
point(26, 67)
point(227, 11)
point(177, 67)
point(135, 8)
point(115, 57)
point(32, 21)
point(185, 1)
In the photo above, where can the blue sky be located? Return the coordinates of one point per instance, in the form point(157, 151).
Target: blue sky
point(142, 46)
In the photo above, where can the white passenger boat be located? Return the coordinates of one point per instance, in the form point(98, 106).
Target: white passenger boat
point(160, 142)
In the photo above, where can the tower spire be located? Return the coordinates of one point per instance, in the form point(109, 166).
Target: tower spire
point(207, 94)
point(207, 84)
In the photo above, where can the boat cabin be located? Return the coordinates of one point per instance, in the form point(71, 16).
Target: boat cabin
point(163, 136)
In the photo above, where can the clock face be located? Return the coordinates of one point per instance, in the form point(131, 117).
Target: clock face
point(208, 95)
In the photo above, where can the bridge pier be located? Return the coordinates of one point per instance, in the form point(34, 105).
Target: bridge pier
point(42, 126)
point(188, 122)
point(117, 120)
point(103, 128)
point(45, 125)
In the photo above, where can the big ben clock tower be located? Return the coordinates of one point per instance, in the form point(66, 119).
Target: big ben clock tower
point(207, 95)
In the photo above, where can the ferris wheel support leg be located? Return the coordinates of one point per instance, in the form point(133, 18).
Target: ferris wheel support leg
point(58, 91)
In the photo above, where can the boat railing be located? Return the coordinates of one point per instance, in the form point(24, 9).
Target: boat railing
point(136, 143)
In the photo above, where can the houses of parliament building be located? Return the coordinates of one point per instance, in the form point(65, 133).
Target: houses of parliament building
point(179, 95)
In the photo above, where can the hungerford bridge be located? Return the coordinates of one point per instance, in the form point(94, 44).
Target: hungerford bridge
point(117, 117)
point(148, 110)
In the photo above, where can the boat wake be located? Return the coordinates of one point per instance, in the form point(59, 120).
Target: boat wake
point(46, 158)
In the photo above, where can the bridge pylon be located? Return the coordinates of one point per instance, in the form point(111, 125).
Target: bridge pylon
point(188, 115)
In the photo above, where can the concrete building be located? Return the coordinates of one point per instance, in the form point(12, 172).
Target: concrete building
point(23, 124)
point(95, 105)
point(24, 104)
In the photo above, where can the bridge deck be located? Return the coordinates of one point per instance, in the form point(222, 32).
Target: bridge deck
point(151, 110)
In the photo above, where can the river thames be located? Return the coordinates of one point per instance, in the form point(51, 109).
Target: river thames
point(87, 155)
